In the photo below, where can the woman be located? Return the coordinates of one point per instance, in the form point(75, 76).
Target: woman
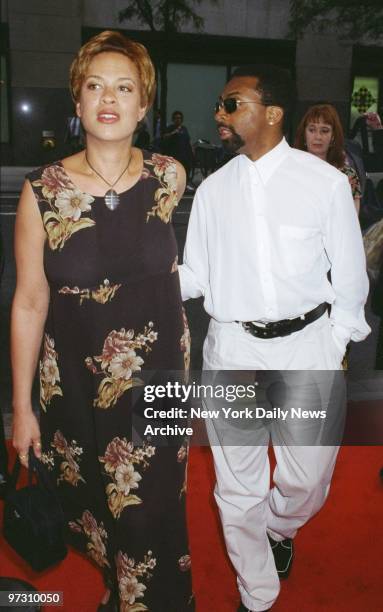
point(98, 287)
point(320, 133)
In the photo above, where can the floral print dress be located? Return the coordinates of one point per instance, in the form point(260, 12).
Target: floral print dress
point(115, 310)
point(353, 179)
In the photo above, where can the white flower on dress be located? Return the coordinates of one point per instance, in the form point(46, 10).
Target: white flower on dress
point(72, 202)
point(170, 176)
point(151, 564)
point(184, 563)
point(127, 478)
point(182, 453)
point(119, 361)
point(131, 589)
point(123, 365)
point(152, 336)
point(50, 371)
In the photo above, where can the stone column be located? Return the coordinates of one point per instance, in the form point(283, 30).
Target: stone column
point(323, 71)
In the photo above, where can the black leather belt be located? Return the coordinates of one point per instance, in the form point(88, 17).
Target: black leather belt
point(284, 327)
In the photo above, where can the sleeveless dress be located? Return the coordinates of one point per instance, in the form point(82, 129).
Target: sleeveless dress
point(115, 311)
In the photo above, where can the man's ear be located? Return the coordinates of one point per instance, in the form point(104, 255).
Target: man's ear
point(274, 114)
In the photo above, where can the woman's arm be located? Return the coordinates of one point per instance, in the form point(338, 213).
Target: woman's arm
point(29, 311)
point(169, 134)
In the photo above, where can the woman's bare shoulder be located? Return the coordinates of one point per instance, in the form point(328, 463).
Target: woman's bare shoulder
point(74, 163)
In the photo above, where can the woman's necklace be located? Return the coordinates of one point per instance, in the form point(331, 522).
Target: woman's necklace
point(111, 198)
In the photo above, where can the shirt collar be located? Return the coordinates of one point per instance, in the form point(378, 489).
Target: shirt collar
point(265, 166)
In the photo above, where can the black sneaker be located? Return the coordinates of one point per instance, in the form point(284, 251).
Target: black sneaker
point(283, 556)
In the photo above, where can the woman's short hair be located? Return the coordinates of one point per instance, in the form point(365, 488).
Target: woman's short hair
point(117, 43)
point(324, 113)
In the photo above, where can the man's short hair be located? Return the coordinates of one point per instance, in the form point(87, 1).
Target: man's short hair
point(176, 112)
point(275, 85)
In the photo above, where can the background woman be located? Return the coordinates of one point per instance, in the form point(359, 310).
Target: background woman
point(98, 288)
point(320, 133)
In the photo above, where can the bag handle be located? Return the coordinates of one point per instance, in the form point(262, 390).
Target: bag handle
point(35, 467)
point(41, 472)
point(14, 477)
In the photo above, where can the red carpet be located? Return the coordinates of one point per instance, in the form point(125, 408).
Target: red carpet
point(339, 560)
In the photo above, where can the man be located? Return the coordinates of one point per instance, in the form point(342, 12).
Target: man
point(176, 142)
point(264, 231)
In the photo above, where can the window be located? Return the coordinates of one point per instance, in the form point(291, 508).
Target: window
point(365, 97)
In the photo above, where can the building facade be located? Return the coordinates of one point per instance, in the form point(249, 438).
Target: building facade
point(41, 37)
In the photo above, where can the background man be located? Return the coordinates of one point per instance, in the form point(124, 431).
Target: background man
point(264, 231)
point(176, 142)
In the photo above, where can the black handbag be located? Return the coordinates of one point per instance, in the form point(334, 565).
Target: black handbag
point(33, 518)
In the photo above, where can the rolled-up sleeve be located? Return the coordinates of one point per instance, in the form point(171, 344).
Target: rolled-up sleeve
point(194, 272)
point(344, 247)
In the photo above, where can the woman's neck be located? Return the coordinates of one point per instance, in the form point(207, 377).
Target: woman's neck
point(108, 158)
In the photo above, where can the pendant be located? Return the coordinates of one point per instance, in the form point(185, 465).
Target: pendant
point(112, 199)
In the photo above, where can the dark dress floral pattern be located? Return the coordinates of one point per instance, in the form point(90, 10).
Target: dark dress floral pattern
point(353, 179)
point(115, 311)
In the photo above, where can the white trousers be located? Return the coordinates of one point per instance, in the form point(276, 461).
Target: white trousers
point(248, 508)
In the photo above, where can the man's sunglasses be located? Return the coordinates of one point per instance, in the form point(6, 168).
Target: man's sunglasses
point(231, 104)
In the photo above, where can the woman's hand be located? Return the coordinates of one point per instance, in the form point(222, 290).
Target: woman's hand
point(26, 433)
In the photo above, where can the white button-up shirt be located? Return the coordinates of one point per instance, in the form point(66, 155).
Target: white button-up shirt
point(262, 236)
